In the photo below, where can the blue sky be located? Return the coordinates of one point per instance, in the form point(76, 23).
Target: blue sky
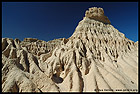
point(52, 20)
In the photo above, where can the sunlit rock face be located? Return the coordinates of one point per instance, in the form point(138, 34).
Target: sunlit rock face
point(96, 58)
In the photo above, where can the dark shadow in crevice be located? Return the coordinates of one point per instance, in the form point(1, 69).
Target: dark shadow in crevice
point(40, 90)
point(57, 79)
point(37, 63)
point(100, 21)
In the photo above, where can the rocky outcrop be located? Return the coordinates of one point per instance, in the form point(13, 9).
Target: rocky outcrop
point(39, 47)
point(96, 58)
point(21, 69)
point(97, 14)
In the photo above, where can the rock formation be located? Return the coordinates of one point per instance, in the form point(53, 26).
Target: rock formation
point(96, 58)
point(97, 14)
